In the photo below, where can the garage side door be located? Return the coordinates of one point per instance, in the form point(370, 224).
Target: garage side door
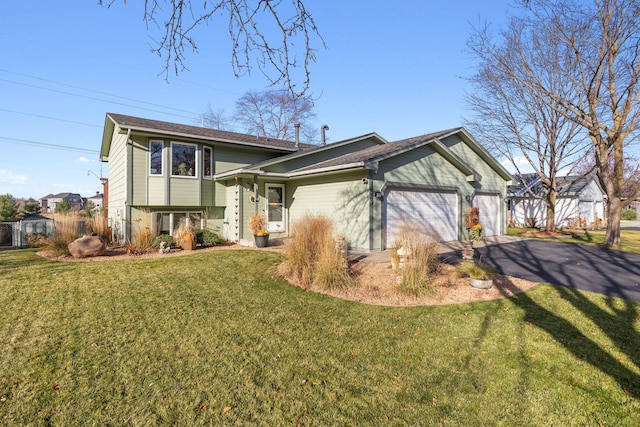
point(433, 213)
point(490, 213)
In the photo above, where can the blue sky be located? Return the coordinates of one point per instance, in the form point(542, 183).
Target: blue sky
point(395, 68)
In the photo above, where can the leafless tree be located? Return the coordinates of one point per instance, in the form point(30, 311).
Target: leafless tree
point(593, 54)
point(278, 37)
point(273, 114)
point(215, 119)
point(515, 125)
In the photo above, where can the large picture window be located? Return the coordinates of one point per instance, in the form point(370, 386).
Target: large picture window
point(155, 157)
point(275, 207)
point(183, 159)
point(207, 162)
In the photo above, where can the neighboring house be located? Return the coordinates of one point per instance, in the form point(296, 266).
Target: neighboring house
point(161, 174)
point(49, 203)
point(580, 201)
point(97, 201)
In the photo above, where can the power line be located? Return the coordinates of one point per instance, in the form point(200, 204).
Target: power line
point(46, 145)
point(95, 99)
point(97, 92)
point(50, 118)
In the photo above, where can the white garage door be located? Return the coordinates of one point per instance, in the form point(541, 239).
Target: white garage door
point(490, 213)
point(432, 213)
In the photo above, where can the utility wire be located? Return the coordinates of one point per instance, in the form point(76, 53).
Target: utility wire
point(46, 145)
point(95, 99)
point(97, 92)
point(50, 118)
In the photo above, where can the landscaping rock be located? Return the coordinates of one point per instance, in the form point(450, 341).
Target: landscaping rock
point(87, 246)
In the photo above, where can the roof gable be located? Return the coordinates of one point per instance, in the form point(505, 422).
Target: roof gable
point(569, 185)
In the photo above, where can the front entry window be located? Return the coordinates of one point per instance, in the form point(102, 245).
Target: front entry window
point(275, 207)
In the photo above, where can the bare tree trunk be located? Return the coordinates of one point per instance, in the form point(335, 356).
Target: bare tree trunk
point(550, 224)
point(614, 209)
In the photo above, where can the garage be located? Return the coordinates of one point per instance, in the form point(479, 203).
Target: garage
point(490, 213)
point(428, 212)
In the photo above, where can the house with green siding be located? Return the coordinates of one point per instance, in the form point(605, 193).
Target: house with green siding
point(162, 174)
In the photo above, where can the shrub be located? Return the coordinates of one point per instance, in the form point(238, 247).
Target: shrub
point(258, 224)
point(163, 238)
point(142, 239)
point(415, 273)
point(36, 240)
point(629, 215)
point(97, 224)
point(66, 231)
point(476, 270)
point(207, 238)
point(331, 270)
point(311, 256)
point(184, 233)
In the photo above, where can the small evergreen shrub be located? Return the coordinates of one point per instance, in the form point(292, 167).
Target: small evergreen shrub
point(163, 238)
point(207, 238)
point(629, 215)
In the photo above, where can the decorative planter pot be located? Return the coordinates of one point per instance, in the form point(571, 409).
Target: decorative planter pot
point(262, 241)
point(480, 284)
point(189, 245)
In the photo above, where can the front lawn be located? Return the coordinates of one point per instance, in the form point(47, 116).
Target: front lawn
point(629, 239)
point(215, 339)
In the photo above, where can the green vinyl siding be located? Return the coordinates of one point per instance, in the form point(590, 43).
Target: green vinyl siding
point(140, 172)
point(157, 190)
point(228, 158)
point(184, 192)
point(207, 189)
point(343, 198)
point(491, 181)
point(118, 184)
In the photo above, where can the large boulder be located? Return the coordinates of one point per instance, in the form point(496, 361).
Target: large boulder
point(87, 246)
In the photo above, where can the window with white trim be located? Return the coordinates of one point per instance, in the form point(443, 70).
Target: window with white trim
point(207, 162)
point(167, 222)
point(275, 207)
point(155, 157)
point(183, 159)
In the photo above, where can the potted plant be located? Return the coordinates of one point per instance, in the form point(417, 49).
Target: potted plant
point(185, 237)
point(258, 226)
point(476, 233)
point(480, 275)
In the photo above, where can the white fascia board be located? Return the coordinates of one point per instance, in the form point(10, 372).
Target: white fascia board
point(356, 165)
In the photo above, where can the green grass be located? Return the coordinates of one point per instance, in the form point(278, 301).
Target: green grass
point(629, 239)
point(215, 339)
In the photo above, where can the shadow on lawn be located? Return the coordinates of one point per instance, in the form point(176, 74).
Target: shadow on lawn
point(616, 322)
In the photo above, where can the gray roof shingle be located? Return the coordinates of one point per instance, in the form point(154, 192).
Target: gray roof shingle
point(377, 152)
point(160, 127)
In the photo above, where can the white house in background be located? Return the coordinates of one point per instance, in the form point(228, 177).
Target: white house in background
point(97, 200)
point(49, 203)
point(580, 201)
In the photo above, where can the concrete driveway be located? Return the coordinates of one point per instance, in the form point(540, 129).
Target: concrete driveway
point(609, 272)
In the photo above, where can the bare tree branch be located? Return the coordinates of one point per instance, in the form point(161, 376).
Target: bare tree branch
point(278, 37)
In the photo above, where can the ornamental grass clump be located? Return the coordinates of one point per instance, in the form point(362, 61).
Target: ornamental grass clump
point(142, 241)
point(184, 235)
point(476, 270)
point(311, 257)
point(416, 273)
point(66, 231)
